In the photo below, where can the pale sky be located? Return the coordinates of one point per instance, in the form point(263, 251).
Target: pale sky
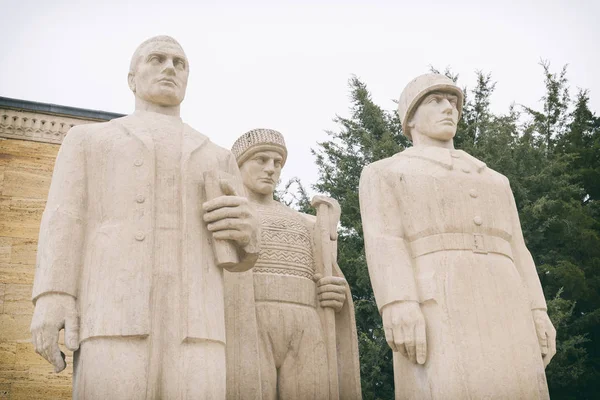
point(285, 65)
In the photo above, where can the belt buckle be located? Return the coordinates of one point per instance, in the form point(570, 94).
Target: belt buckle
point(479, 244)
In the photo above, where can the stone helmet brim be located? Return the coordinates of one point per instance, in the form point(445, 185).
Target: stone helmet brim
point(259, 140)
point(420, 87)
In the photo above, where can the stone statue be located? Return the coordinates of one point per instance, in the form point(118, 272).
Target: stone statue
point(275, 313)
point(125, 262)
point(461, 302)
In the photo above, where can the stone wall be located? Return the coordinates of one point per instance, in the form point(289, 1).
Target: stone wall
point(29, 143)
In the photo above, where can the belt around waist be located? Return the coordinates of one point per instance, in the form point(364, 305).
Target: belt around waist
point(475, 242)
point(285, 288)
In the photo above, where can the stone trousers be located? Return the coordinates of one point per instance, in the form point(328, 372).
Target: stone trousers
point(119, 369)
point(292, 351)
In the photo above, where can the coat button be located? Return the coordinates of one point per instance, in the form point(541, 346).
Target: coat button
point(466, 170)
point(477, 220)
point(455, 155)
point(140, 236)
point(473, 193)
point(139, 162)
point(140, 198)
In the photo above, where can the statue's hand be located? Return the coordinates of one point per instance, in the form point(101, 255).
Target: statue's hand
point(331, 291)
point(231, 217)
point(546, 335)
point(404, 327)
point(53, 312)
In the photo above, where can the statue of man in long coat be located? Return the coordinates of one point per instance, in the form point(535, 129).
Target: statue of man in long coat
point(275, 313)
point(125, 261)
point(461, 302)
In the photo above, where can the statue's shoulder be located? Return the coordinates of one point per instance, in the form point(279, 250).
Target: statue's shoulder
point(308, 218)
point(484, 168)
point(389, 167)
point(83, 132)
point(208, 144)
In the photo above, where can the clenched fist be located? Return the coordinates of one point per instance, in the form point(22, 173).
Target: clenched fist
point(331, 291)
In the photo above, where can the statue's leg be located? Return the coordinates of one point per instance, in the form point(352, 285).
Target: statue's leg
point(268, 338)
point(111, 368)
point(203, 374)
point(303, 373)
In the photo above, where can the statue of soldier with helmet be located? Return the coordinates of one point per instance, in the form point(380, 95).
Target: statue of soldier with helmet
point(460, 298)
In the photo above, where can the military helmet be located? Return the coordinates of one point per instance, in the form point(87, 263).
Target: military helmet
point(420, 87)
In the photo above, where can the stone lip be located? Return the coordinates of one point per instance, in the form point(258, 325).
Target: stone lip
point(26, 105)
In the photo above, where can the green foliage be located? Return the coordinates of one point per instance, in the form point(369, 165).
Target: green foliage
point(294, 195)
point(552, 159)
point(569, 364)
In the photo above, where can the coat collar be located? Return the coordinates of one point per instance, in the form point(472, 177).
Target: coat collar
point(443, 157)
point(136, 125)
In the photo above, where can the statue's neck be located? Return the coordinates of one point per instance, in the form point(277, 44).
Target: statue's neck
point(420, 140)
point(261, 199)
point(143, 105)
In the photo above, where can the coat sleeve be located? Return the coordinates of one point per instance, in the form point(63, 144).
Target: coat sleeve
point(522, 257)
point(62, 230)
point(249, 253)
point(388, 256)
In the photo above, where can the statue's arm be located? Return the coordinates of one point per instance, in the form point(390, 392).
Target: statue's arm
point(526, 267)
point(523, 259)
point(390, 265)
point(62, 230)
point(388, 257)
point(59, 256)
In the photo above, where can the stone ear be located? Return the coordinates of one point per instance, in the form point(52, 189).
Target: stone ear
point(131, 81)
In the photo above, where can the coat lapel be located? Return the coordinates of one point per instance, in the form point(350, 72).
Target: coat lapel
point(192, 141)
point(135, 127)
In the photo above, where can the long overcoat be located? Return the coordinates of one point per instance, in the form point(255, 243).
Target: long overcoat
point(442, 229)
point(96, 236)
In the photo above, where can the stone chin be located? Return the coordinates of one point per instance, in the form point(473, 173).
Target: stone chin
point(263, 188)
point(442, 132)
point(166, 98)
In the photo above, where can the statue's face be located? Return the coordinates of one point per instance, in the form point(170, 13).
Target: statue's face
point(436, 116)
point(261, 172)
point(161, 74)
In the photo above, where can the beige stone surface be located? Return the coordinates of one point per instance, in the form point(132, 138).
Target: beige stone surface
point(291, 332)
point(125, 258)
point(8, 353)
point(461, 302)
point(23, 251)
point(17, 300)
point(5, 249)
point(17, 273)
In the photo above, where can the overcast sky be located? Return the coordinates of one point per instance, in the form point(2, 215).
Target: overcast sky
point(285, 65)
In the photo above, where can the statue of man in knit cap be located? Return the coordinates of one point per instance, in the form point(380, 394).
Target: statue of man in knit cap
point(274, 313)
point(125, 257)
point(461, 302)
